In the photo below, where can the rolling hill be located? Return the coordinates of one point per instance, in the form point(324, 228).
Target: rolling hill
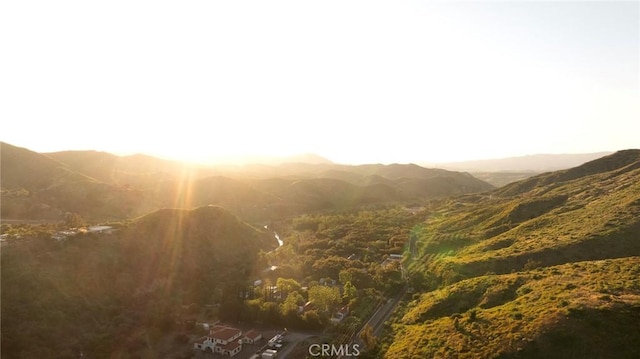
point(35, 186)
point(100, 185)
point(579, 310)
point(544, 267)
point(115, 295)
point(135, 170)
point(500, 172)
point(30, 170)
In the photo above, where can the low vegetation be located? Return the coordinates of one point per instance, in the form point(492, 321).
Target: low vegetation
point(576, 310)
point(545, 267)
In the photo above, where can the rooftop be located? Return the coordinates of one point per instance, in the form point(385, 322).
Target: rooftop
point(224, 333)
point(252, 334)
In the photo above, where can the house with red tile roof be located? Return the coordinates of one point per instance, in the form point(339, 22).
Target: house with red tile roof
point(231, 349)
point(224, 335)
point(221, 340)
point(204, 344)
point(251, 337)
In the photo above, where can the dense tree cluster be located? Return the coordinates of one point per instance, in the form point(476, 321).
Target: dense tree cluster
point(330, 261)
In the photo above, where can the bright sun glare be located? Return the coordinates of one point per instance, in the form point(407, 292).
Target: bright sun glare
point(351, 81)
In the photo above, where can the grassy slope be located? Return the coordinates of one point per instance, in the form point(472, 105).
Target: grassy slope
point(591, 217)
point(588, 213)
point(585, 309)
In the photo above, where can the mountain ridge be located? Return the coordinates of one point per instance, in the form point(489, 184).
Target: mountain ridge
point(535, 163)
point(122, 187)
point(618, 160)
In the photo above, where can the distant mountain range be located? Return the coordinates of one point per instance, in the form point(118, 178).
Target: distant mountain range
point(530, 163)
point(502, 171)
point(100, 185)
point(268, 160)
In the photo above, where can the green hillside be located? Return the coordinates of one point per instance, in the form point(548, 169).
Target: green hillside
point(571, 218)
point(577, 310)
point(544, 267)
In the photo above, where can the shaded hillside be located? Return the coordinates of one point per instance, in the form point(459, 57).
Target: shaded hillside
point(332, 193)
point(396, 171)
point(439, 187)
point(35, 186)
point(195, 248)
point(272, 198)
point(116, 295)
point(22, 168)
point(231, 193)
point(133, 171)
point(100, 185)
point(122, 169)
point(358, 175)
point(311, 187)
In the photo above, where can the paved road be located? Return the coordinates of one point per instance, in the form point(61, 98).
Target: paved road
point(292, 339)
point(378, 318)
point(382, 314)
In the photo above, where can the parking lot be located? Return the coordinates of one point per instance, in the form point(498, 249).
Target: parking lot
point(288, 342)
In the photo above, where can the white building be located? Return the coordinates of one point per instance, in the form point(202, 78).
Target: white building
point(221, 340)
point(100, 229)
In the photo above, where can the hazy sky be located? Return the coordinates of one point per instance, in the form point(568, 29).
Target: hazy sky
point(353, 81)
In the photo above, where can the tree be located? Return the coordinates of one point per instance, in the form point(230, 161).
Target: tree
point(422, 281)
point(368, 337)
point(345, 276)
point(324, 298)
point(73, 220)
point(287, 285)
point(349, 291)
point(290, 305)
